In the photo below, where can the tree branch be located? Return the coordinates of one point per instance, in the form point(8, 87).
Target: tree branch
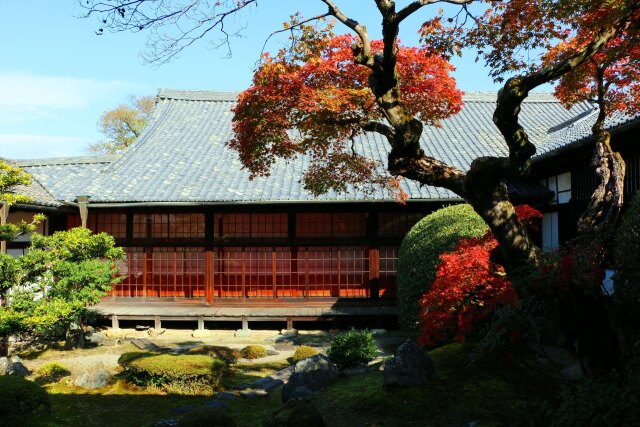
point(291, 28)
point(363, 55)
point(380, 128)
point(416, 5)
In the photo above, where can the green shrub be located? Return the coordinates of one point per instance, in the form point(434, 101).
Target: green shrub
point(52, 372)
point(303, 352)
point(609, 401)
point(20, 396)
point(207, 417)
point(226, 354)
point(627, 255)
point(185, 373)
point(420, 253)
point(253, 352)
point(353, 348)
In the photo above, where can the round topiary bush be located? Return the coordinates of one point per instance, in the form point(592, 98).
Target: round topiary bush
point(19, 396)
point(182, 373)
point(207, 417)
point(352, 348)
point(52, 372)
point(303, 352)
point(253, 352)
point(626, 281)
point(226, 354)
point(420, 253)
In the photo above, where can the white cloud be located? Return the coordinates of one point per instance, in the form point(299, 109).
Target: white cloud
point(26, 97)
point(24, 146)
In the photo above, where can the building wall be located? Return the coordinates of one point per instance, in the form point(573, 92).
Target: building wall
point(258, 251)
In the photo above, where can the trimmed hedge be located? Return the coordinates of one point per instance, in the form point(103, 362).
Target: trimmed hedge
point(226, 354)
point(352, 348)
point(420, 252)
point(20, 396)
point(626, 281)
point(253, 352)
point(52, 372)
point(181, 372)
point(303, 352)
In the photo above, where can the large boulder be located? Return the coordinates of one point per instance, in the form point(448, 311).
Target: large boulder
point(95, 377)
point(410, 366)
point(4, 364)
point(16, 367)
point(312, 373)
point(297, 412)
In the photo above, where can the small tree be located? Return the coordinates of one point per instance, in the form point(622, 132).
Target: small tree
point(122, 125)
point(70, 271)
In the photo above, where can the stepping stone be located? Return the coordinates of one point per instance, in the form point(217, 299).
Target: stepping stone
point(225, 395)
point(181, 410)
point(243, 386)
point(144, 344)
point(252, 394)
point(169, 422)
point(216, 404)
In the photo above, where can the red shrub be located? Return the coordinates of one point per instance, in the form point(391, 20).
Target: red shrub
point(468, 288)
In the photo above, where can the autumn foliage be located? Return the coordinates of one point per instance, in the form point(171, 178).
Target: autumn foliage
point(314, 98)
point(468, 288)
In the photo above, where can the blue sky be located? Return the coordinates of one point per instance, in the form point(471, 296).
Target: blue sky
point(57, 76)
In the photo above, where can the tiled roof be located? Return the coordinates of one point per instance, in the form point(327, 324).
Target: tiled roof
point(38, 194)
point(578, 131)
point(65, 177)
point(181, 155)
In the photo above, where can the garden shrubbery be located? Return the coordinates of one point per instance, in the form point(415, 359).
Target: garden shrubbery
point(627, 257)
point(253, 352)
point(420, 252)
point(226, 354)
point(303, 352)
point(52, 372)
point(353, 348)
point(20, 396)
point(183, 373)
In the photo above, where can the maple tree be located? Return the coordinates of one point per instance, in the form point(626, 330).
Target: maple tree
point(321, 91)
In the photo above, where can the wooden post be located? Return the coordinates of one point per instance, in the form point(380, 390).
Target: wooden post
point(4, 214)
point(244, 274)
point(200, 323)
point(274, 273)
point(245, 323)
point(289, 323)
point(145, 272)
point(114, 322)
point(157, 324)
point(306, 274)
point(374, 273)
point(208, 276)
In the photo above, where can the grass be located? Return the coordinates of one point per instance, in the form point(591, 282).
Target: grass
point(497, 392)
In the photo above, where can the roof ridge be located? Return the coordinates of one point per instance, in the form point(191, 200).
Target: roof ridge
point(198, 95)
point(573, 121)
point(50, 161)
point(492, 96)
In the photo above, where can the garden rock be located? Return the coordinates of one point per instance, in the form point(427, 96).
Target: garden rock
point(252, 394)
point(225, 395)
point(153, 332)
point(4, 364)
point(410, 366)
point(15, 359)
point(216, 404)
point(301, 392)
point(17, 369)
point(169, 422)
point(297, 412)
point(181, 410)
point(572, 373)
point(95, 338)
point(96, 377)
point(312, 373)
point(114, 333)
